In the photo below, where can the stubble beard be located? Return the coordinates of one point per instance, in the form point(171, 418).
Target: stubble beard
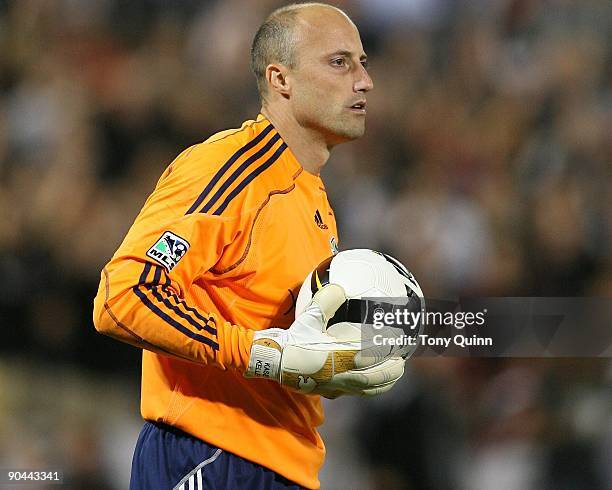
point(337, 125)
point(344, 127)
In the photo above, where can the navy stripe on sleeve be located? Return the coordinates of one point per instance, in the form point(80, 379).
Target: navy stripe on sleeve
point(249, 178)
point(155, 288)
point(241, 151)
point(168, 319)
point(232, 178)
point(166, 289)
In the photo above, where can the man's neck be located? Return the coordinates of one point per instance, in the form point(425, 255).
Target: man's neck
point(309, 147)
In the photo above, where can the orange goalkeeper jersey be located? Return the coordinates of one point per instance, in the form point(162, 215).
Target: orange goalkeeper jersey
point(219, 250)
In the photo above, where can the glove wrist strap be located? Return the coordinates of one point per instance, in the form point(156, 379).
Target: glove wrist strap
point(265, 359)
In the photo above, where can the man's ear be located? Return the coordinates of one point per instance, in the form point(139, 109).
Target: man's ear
point(278, 81)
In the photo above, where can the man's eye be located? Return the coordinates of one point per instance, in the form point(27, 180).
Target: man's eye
point(365, 64)
point(338, 62)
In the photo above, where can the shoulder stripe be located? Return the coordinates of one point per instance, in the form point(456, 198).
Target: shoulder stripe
point(232, 178)
point(164, 316)
point(249, 178)
point(241, 151)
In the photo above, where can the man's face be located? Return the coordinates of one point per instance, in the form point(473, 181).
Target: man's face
point(330, 76)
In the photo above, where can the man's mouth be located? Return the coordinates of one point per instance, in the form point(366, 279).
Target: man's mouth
point(359, 106)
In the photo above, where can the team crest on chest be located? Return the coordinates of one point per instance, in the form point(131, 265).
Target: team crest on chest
point(333, 245)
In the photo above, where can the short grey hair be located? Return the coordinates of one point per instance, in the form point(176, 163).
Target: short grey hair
point(274, 41)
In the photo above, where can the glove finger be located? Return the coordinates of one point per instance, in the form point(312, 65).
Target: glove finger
point(373, 353)
point(329, 298)
point(377, 390)
point(388, 371)
point(370, 391)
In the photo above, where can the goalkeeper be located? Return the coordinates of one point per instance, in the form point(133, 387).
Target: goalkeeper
point(206, 278)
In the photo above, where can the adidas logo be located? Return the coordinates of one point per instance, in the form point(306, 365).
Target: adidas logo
point(319, 220)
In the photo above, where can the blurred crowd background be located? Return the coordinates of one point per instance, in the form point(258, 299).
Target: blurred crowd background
point(485, 168)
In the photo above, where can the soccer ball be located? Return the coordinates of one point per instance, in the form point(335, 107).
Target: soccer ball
point(363, 273)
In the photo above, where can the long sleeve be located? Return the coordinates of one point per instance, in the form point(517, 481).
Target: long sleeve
point(143, 297)
point(147, 311)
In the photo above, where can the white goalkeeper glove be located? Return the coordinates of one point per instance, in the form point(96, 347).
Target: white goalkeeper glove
point(306, 359)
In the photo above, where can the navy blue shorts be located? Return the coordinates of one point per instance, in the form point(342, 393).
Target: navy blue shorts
point(167, 458)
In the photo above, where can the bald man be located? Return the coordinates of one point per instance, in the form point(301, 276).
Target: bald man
point(206, 279)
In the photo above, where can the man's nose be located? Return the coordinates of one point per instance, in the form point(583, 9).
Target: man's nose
point(363, 82)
